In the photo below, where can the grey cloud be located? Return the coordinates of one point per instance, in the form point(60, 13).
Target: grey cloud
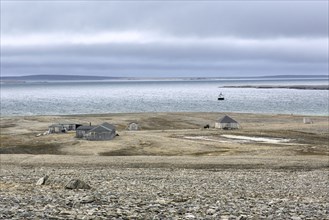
point(248, 19)
point(303, 51)
point(262, 22)
point(144, 69)
point(129, 60)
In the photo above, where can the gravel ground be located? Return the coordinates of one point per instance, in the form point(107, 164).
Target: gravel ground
point(163, 193)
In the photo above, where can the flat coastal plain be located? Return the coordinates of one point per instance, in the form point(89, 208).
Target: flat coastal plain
point(274, 167)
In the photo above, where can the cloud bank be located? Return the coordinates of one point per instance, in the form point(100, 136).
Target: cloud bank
point(164, 38)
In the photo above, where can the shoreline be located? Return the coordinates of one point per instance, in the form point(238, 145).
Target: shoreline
point(302, 87)
point(161, 113)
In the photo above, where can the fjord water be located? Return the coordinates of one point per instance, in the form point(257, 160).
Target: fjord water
point(93, 97)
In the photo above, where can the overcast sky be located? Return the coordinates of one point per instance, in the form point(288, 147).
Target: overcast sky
point(157, 38)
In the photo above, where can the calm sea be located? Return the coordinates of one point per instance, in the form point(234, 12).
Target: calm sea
point(59, 98)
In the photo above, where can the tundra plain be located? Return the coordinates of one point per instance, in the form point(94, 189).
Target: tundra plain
point(274, 167)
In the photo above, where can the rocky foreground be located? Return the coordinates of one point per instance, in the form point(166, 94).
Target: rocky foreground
point(162, 193)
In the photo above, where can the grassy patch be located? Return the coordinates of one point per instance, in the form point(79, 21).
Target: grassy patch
point(209, 153)
point(7, 125)
point(30, 149)
point(125, 152)
point(312, 152)
point(133, 152)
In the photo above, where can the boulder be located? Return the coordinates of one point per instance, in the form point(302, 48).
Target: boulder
point(76, 184)
point(42, 180)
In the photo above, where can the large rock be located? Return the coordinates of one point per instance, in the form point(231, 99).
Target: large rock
point(87, 199)
point(76, 184)
point(42, 180)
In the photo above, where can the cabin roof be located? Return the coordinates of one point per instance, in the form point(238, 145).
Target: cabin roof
point(55, 125)
point(85, 128)
point(108, 126)
point(133, 122)
point(68, 123)
point(105, 127)
point(227, 119)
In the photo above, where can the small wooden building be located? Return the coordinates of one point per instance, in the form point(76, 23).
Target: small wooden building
point(307, 120)
point(63, 127)
point(227, 123)
point(133, 126)
point(56, 128)
point(101, 132)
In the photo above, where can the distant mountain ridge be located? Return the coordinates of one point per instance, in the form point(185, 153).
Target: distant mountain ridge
point(80, 77)
point(56, 77)
point(295, 76)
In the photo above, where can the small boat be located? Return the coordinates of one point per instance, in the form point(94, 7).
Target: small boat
point(220, 96)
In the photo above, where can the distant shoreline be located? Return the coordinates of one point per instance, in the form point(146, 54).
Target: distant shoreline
point(5, 79)
point(305, 87)
point(158, 114)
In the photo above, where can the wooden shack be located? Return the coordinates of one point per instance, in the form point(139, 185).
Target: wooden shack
point(63, 127)
point(101, 132)
point(133, 126)
point(227, 123)
point(56, 128)
point(307, 120)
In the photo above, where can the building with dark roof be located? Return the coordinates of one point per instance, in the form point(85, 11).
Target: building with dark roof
point(101, 132)
point(226, 123)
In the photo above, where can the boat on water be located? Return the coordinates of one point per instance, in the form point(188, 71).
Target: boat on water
point(220, 96)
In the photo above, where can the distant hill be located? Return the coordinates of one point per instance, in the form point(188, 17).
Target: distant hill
point(295, 76)
point(54, 78)
point(79, 77)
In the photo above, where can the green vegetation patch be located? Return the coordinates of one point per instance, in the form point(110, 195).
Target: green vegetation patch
point(10, 125)
point(32, 149)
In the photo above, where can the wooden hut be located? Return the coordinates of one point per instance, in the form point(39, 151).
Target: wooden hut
point(307, 120)
point(63, 127)
point(101, 132)
point(133, 126)
point(56, 128)
point(227, 123)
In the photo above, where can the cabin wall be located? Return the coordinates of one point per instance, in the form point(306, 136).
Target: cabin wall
point(70, 127)
point(60, 127)
point(307, 121)
point(133, 127)
point(56, 129)
point(100, 136)
point(80, 133)
point(228, 125)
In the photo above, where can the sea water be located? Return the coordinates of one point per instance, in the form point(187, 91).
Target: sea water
point(95, 97)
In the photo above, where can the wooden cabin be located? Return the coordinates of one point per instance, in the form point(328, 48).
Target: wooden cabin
point(63, 127)
point(227, 123)
point(133, 126)
point(307, 120)
point(101, 132)
point(56, 128)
